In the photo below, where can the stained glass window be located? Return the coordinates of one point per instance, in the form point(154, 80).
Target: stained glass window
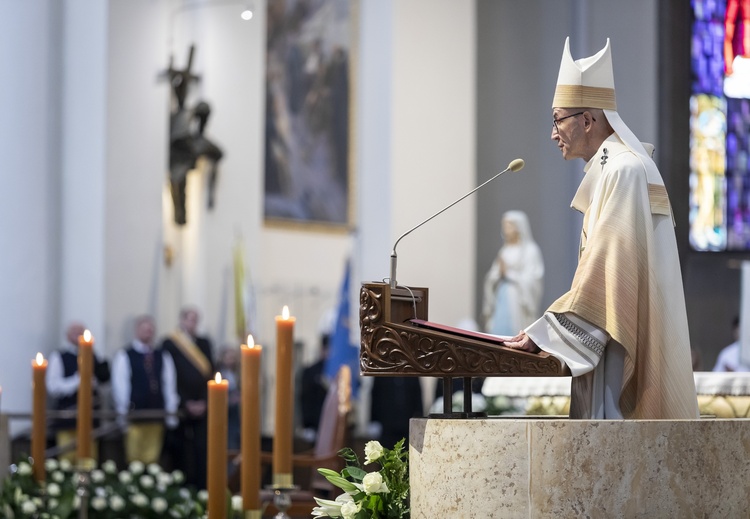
point(720, 126)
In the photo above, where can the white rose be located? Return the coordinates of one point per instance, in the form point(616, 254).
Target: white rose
point(237, 503)
point(140, 500)
point(109, 466)
point(159, 504)
point(52, 503)
point(58, 476)
point(24, 469)
point(28, 507)
point(53, 489)
point(125, 477)
point(184, 493)
point(98, 503)
point(164, 479)
point(203, 495)
point(50, 464)
point(65, 464)
point(147, 481)
point(373, 483)
point(373, 451)
point(153, 469)
point(178, 476)
point(116, 502)
point(136, 467)
point(97, 476)
point(349, 510)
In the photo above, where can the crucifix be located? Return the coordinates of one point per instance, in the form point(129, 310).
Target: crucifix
point(187, 141)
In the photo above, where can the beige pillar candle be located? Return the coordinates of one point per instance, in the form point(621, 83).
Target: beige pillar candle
point(39, 416)
point(250, 416)
point(283, 437)
point(84, 421)
point(216, 477)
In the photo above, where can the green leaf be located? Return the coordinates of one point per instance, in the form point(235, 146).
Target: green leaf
point(328, 472)
point(343, 484)
point(350, 456)
point(355, 472)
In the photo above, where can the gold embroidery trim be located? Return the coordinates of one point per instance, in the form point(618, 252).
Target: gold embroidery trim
point(577, 96)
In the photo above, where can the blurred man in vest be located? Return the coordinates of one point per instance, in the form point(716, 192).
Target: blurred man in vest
point(143, 379)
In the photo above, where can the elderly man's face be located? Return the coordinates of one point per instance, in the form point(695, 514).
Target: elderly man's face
point(567, 132)
point(145, 331)
point(74, 331)
point(189, 322)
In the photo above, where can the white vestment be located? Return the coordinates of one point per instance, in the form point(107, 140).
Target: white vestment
point(623, 324)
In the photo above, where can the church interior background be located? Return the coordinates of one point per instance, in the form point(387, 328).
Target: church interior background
point(444, 95)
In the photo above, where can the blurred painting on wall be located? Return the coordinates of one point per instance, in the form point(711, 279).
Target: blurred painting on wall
point(307, 122)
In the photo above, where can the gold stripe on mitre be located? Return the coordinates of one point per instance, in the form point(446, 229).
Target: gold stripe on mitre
point(578, 96)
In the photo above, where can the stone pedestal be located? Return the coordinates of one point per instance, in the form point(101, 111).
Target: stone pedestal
point(507, 468)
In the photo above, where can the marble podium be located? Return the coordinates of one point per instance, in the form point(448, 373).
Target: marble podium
point(556, 467)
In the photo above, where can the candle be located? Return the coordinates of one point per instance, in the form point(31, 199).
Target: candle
point(218, 409)
point(38, 416)
point(250, 415)
point(85, 372)
point(282, 442)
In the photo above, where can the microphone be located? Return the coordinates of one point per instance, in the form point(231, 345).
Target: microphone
point(515, 165)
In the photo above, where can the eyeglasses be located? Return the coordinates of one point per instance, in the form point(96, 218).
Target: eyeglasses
point(561, 119)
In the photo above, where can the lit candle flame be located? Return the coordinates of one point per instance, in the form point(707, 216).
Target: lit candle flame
point(39, 359)
point(250, 341)
point(87, 336)
point(285, 313)
point(218, 378)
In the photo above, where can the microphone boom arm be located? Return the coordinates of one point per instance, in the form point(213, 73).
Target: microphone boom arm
point(515, 165)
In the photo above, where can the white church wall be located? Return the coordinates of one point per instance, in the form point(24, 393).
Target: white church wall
point(83, 138)
point(433, 147)
point(137, 130)
point(29, 205)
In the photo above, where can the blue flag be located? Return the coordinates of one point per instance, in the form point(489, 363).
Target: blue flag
point(342, 351)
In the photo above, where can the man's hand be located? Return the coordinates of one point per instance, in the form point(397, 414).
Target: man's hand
point(522, 342)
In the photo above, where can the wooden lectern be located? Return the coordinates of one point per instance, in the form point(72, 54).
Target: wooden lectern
point(398, 340)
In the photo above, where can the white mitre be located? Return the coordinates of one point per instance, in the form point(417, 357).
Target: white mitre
point(590, 83)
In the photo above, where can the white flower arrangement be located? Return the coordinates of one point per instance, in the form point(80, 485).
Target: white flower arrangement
point(382, 494)
point(139, 491)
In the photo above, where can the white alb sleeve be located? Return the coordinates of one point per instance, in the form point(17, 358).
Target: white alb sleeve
point(573, 340)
